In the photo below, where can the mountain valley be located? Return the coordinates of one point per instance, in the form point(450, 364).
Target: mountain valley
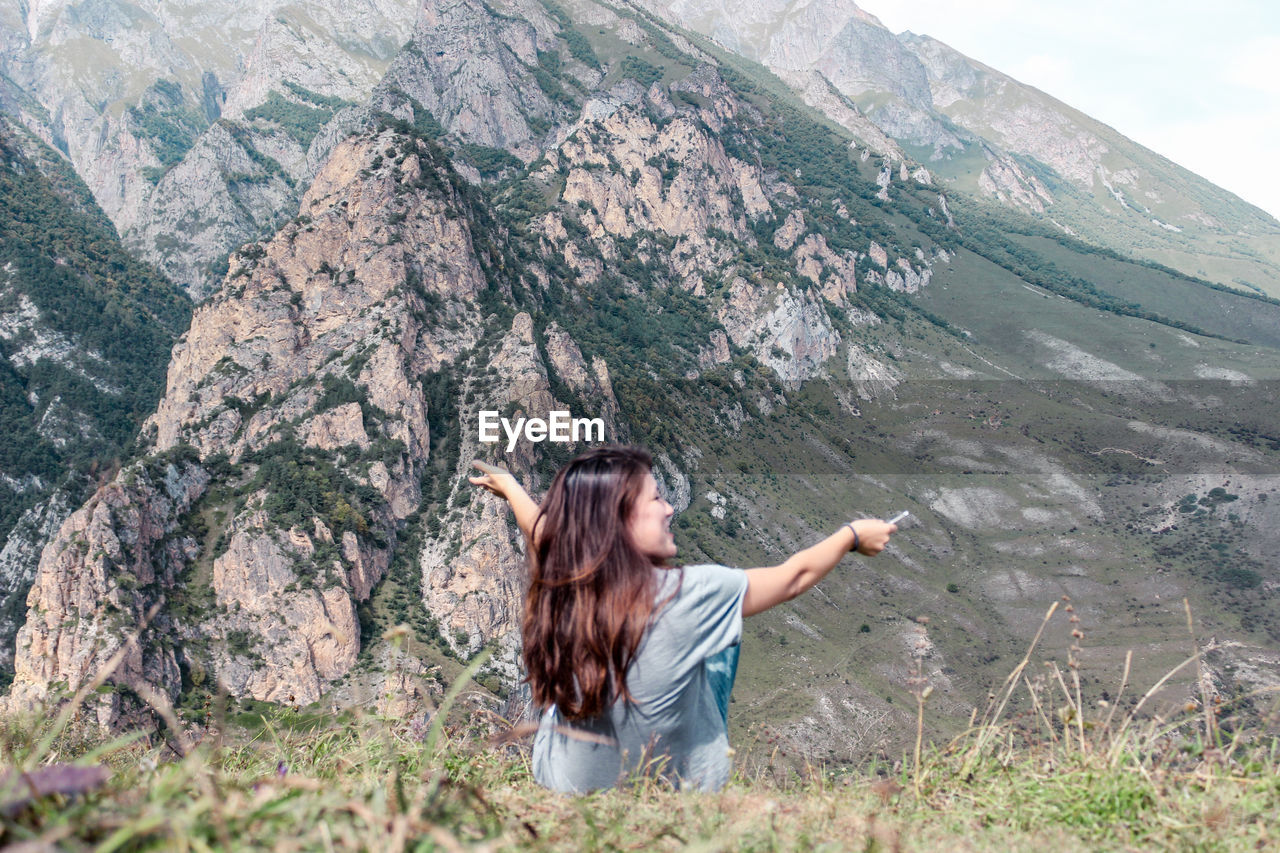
point(802, 312)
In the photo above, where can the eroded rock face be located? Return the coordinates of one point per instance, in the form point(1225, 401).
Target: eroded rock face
point(472, 71)
point(283, 639)
point(591, 383)
point(635, 164)
point(304, 373)
point(20, 559)
point(340, 278)
point(1011, 185)
point(370, 288)
point(221, 194)
point(165, 85)
point(472, 572)
point(835, 275)
point(111, 561)
point(871, 377)
point(675, 179)
point(787, 330)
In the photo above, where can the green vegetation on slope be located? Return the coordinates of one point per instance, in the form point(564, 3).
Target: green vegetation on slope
point(164, 118)
point(88, 335)
point(301, 116)
point(39, 223)
point(86, 286)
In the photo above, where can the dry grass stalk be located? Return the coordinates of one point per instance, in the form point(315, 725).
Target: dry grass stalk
point(1122, 736)
point(1035, 702)
point(1124, 682)
point(1073, 663)
point(1072, 713)
point(986, 728)
point(1210, 729)
point(104, 672)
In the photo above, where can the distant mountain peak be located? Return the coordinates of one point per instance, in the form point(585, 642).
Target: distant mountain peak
point(983, 132)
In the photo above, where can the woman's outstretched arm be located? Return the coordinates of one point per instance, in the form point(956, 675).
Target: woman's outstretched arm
point(503, 484)
point(773, 585)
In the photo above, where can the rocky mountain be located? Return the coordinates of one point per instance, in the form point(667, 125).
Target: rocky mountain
point(85, 332)
point(192, 122)
point(546, 207)
point(980, 131)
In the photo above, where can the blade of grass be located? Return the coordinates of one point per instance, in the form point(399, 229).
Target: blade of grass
point(1035, 702)
point(130, 831)
point(113, 745)
point(1209, 728)
point(437, 723)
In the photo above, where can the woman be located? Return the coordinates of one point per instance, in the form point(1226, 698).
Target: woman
point(631, 660)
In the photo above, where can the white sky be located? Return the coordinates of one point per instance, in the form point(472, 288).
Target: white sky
point(1196, 82)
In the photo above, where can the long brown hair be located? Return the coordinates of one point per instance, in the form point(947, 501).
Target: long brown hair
point(591, 591)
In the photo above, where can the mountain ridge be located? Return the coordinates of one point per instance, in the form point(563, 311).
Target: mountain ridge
point(790, 322)
point(1112, 192)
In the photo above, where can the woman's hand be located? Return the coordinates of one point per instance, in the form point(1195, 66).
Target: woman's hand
point(503, 483)
point(873, 535)
point(494, 479)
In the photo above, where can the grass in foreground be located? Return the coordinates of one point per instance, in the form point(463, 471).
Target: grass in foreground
point(376, 784)
point(1058, 777)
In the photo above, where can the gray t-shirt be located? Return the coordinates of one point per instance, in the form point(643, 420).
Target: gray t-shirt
point(675, 727)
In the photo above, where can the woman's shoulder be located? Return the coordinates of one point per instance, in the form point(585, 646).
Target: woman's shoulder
point(696, 583)
point(712, 573)
point(700, 618)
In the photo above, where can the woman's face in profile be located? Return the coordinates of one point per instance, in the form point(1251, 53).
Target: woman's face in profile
point(650, 524)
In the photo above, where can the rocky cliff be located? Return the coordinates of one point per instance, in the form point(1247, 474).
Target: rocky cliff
point(302, 375)
point(85, 332)
point(173, 113)
point(112, 562)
